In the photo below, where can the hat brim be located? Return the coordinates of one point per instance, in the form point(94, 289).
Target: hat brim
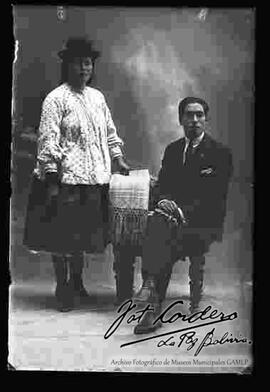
point(68, 54)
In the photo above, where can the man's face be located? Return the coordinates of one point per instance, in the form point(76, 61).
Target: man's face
point(193, 120)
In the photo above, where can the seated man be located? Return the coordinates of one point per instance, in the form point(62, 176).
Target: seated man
point(192, 190)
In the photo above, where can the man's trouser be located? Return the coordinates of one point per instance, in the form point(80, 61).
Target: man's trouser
point(163, 246)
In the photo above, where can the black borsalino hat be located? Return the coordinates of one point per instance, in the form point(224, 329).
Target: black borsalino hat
point(78, 47)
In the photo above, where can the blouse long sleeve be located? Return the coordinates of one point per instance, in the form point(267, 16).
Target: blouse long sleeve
point(114, 141)
point(49, 150)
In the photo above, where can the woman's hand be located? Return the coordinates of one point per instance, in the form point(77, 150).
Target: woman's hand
point(52, 182)
point(52, 191)
point(121, 166)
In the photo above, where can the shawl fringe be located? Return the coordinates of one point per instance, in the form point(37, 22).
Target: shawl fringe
point(128, 225)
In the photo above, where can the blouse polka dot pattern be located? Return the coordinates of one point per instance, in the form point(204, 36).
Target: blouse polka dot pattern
point(77, 137)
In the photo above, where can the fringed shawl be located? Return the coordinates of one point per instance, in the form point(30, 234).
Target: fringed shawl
point(129, 200)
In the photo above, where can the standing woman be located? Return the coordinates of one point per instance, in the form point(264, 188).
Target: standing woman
point(68, 204)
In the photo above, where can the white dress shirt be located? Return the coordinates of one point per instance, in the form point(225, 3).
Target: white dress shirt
point(195, 142)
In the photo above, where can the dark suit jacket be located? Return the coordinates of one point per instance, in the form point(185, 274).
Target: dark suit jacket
point(201, 187)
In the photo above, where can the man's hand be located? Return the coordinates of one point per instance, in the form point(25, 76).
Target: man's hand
point(121, 166)
point(168, 206)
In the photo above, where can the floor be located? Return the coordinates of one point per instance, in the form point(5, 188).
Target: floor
point(40, 338)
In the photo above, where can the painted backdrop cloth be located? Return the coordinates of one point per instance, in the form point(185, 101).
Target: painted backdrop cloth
point(77, 137)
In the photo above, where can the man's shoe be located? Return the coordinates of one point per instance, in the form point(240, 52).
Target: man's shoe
point(147, 293)
point(146, 324)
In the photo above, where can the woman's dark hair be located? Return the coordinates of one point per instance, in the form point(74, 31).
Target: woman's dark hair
point(188, 100)
point(76, 47)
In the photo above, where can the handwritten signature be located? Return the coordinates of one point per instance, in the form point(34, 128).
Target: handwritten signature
point(186, 336)
point(190, 340)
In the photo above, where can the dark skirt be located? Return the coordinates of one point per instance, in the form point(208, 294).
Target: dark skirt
point(76, 221)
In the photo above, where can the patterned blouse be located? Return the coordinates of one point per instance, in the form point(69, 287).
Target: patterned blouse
point(77, 137)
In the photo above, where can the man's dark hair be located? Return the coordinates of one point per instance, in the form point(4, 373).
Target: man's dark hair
point(188, 100)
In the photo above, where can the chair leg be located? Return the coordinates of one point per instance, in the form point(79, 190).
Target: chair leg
point(162, 284)
point(124, 273)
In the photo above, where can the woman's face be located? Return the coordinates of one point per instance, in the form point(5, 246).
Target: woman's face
point(80, 70)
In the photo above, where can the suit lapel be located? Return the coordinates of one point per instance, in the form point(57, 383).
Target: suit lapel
point(203, 148)
point(201, 153)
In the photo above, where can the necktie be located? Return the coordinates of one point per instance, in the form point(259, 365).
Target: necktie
point(189, 154)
